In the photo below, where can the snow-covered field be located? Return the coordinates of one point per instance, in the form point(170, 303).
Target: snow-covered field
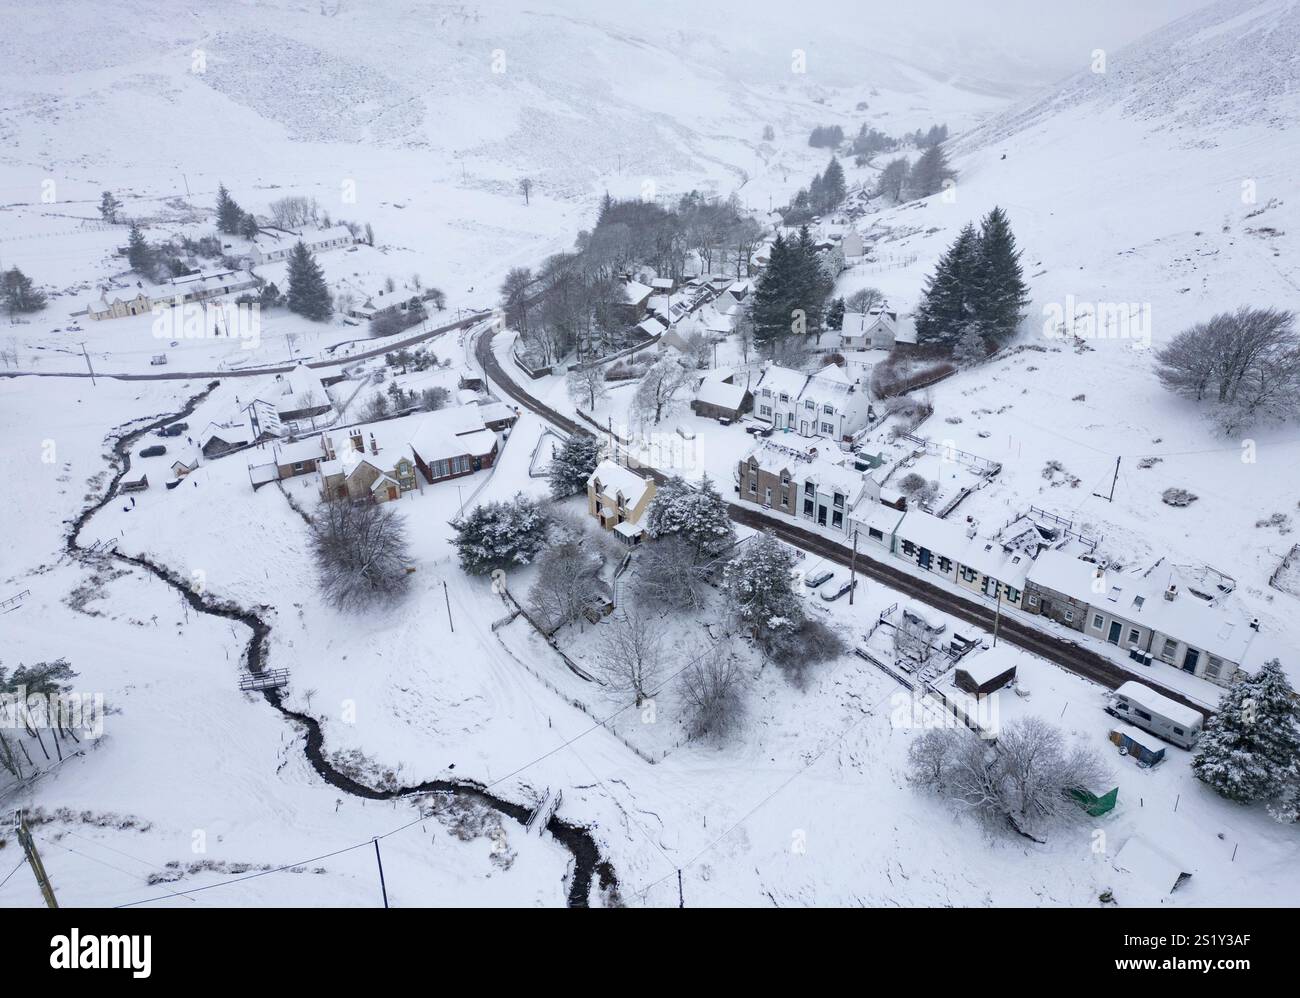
point(1142, 185)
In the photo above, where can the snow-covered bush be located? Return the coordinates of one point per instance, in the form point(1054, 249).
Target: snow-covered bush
point(500, 534)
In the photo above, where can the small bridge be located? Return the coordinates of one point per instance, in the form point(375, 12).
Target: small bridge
point(267, 679)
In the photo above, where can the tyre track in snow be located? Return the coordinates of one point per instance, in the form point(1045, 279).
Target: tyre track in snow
point(577, 839)
point(1066, 654)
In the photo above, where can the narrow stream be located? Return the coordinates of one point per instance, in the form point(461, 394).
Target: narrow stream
point(576, 838)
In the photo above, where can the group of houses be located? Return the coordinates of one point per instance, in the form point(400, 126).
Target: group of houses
point(201, 285)
point(271, 244)
point(301, 394)
point(380, 461)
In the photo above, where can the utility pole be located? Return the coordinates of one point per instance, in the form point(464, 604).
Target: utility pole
point(853, 567)
point(34, 860)
point(1111, 497)
point(447, 597)
point(681, 898)
point(382, 886)
point(88, 367)
point(997, 616)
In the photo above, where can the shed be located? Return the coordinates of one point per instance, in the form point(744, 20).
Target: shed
point(1143, 747)
point(986, 672)
point(1151, 867)
point(135, 484)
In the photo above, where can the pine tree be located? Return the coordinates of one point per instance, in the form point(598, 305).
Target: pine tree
point(833, 185)
point(759, 585)
point(248, 226)
point(999, 290)
point(929, 173)
point(970, 347)
point(811, 283)
point(573, 464)
point(308, 295)
point(138, 251)
point(944, 311)
point(109, 206)
point(698, 515)
point(229, 214)
point(835, 315)
point(500, 535)
point(19, 294)
point(1248, 748)
point(773, 296)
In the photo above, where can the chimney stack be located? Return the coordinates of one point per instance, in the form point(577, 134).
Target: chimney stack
point(374, 447)
point(1172, 592)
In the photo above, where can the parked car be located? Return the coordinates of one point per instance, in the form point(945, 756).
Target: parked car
point(837, 587)
point(157, 450)
point(817, 576)
point(175, 430)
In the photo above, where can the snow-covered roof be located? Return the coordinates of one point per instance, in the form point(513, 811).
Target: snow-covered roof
point(629, 529)
point(1151, 866)
point(1148, 741)
point(450, 433)
point(307, 449)
point(987, 665)
point(782, 380)
point(715, 391)
point(804, 466)
point(952, 540)
point(634, 292)
point(614, 480)
point(878, 516)
point(1158, 703)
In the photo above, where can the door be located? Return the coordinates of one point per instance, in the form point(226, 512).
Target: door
point(803, 427)
point(1189, 662)
point(923, 558)
point(1113, 635)
point(392, 492)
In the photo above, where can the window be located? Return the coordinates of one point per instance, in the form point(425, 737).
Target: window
point(785, 502)
point(297, 467)
point(838, 501)
point(1013, 595)
point(1033, 601)
point(828, 427)
point(1178, 731)
point(1213, 667)
point(875, 534)
point(809, 489)
point(945, 564)
point(808, 507)
point(829, 410)
point(1069, 616)
point(1142, 713)
point(767, 393)
point(908, 547)
point(810, 404)
point(765, 410)
point(837, 519)
point(753, 486)
point(767, 496)
point(1097, 621)
point(785, 397)
point(1133, 636)
point(1169, 650)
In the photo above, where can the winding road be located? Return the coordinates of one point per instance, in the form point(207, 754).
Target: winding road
point(1059, 651)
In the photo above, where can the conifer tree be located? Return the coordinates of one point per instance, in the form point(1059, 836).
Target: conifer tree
point(998, 288)
point(1250, 749)
point(759, 585)
point(138, 252)
point(945, 309)
point(109, 206)
point(229, 214)
point(698, 515)
point(773, 296)
point(573, 464)
point(833, 185)
point(928, 173)
point(19, 294)
point(308, 294)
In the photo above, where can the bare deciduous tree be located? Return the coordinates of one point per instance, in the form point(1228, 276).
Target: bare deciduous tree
point(668, 574)
point(1025, 777)
point(630, 654)
point(658, 389)
point(568, 585)
point(361, 554)
point(711, 689)
point(586, 385)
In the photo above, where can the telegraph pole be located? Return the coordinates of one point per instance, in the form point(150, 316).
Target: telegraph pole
point(1114, 479)
point(34, 860)
point(853, 567)
point(447, 597)
point(88, 367)
point(382, 886)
